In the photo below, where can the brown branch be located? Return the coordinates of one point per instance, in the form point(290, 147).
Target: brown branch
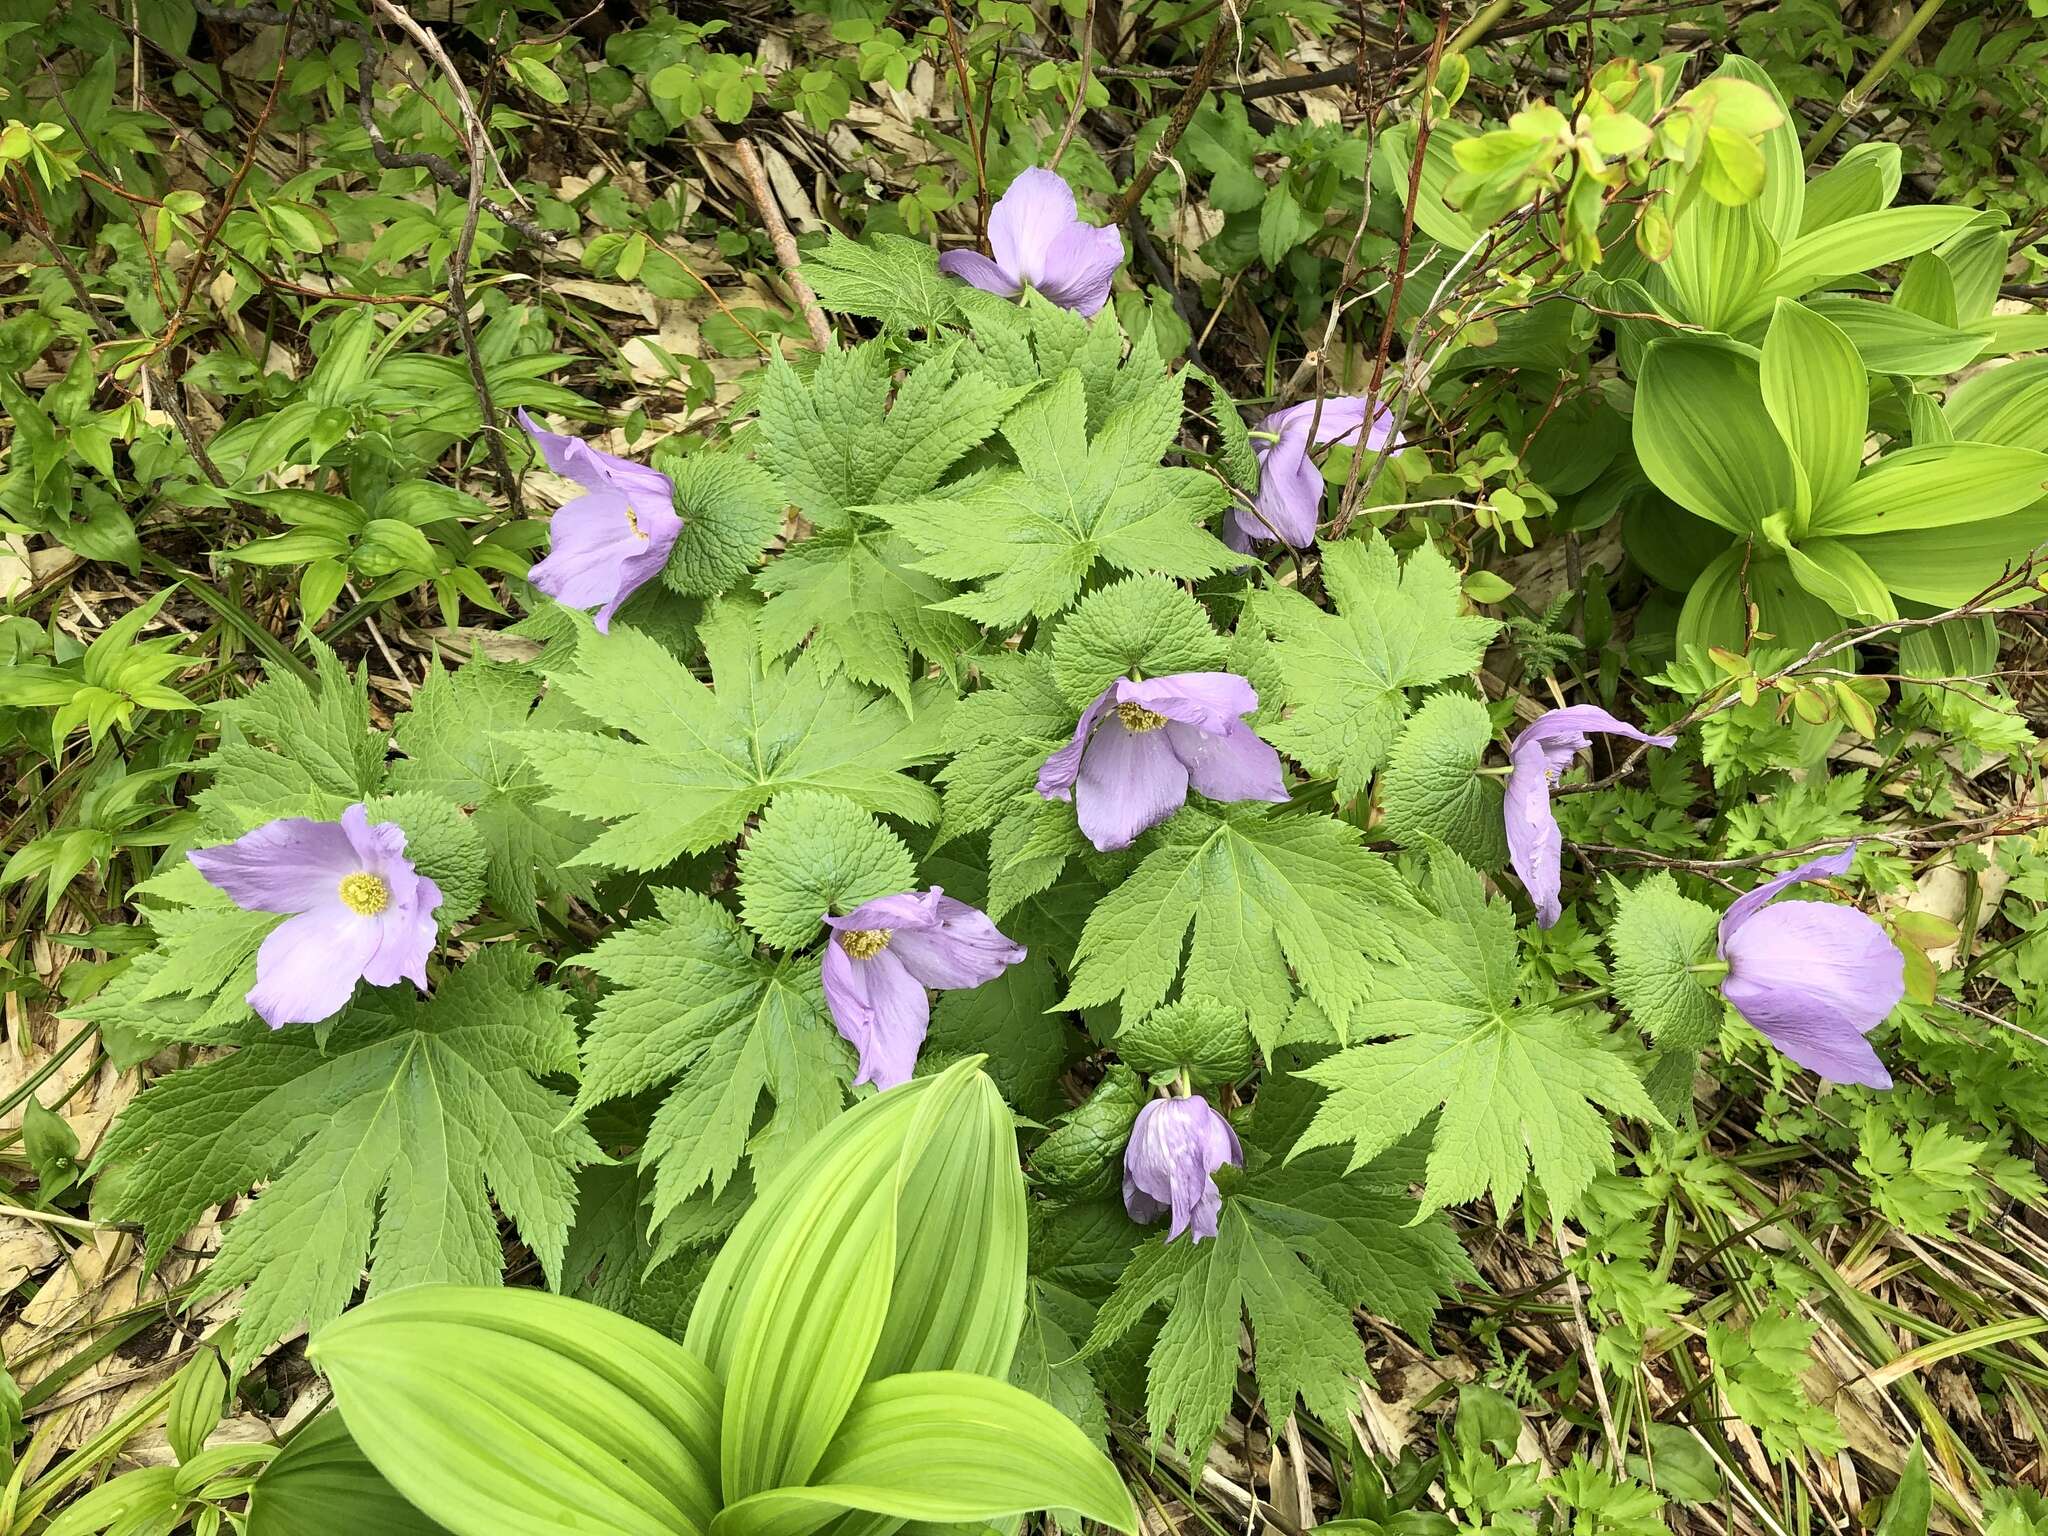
point(1347, 508)
point(784, 243)
point(975, 139)
point(1183, 114)
point(1080, 91)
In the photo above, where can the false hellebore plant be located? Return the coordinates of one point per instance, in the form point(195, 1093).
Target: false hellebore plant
point(847, 1354)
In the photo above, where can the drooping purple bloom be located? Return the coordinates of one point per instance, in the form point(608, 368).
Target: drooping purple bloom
point(881, 957)
point(1140, 747)
point(1814, 977)
point(1290, 499)
point(1170, 1164)
point(1539, 755)
point(361, 911)
point(607, 545)
point(1041, 243)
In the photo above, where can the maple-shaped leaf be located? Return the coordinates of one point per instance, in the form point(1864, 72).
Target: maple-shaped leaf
point(1346, 674)
point(1517, 1082)
point(846, 436)
point(1032, 535)
point(292, 748)
point(856, 596)
point(381, 1139)
point(460, 741)
point(1275, 900)
point(693, 1004)
point(850, 434)
point(1298, 1246)
point(884, 277)
point(695, 762)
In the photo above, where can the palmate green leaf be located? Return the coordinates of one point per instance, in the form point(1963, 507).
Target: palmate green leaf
point(324, 729)
point(866, 611)
point(1299, 1245)
point(460, 741)
point(1271, 899)
point(731, 511)
point(692, 1004)
point(378, 1137)
point(998, 737)
point(885, 278)
point(1656, 936)
point(1516, 1083)
point(849, 434)
point(1398, 625)
point(512, 1410)
point(1032, 535)
point(706, 759)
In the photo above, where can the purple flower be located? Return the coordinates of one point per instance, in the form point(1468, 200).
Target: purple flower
point(1539, 755)
point(881, 957)
point(1290, 499)
point(1140, 746)
point(1170, 1164)
point(609, 544)
point(1812, 976)
point(361, 912)
point(1040, 242)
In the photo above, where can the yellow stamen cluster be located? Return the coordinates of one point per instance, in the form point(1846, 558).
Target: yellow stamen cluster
point(1136, 717)
point(865, 943)
point(365, 894)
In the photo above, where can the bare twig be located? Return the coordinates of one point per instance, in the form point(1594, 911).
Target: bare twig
point(975, 143)
point(785, 244)
point(1183, 113)
point(1080, 90)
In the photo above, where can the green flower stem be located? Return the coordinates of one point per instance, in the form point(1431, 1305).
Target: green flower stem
point(1853, 103)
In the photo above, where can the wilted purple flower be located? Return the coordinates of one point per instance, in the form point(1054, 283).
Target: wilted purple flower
point(1040, 242)
point(881, 957)
point(1290, 499)
point(1539, 755)
point(1812, 976)
point(1170, 1164)
point(1140, 746)
point(362, 912)
point(609, 544)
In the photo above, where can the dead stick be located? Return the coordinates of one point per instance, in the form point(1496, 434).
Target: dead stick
point(784, 242)
point(1183, 113)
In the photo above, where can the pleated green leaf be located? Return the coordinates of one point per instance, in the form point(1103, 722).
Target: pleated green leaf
point(1937, 487)
point(321, 1482)
point(1705, 438)
point(948, 1447)
point(505, 1410)
point(1815, 391)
